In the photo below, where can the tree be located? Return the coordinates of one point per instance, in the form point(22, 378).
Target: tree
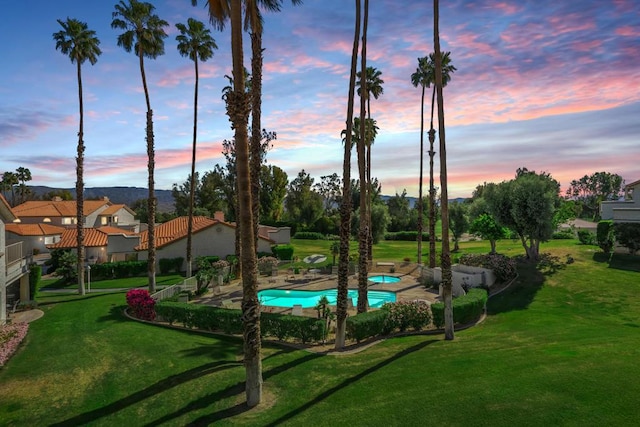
point(24, 175)
point(303, 204)
point(425, 76)
point(374, 88)
point(592, 189)
point(527, 205)
point(345, 205)
point(196, 43)
point(81, 44)
point(380, 220)
point(399, 211)
point(9, 181)
point(487, 228)
point(144, 34)
point(273, 192)
point(329, 189)
point(628, 235)
point(420, 77)
point(458, 223)
point(444, 193)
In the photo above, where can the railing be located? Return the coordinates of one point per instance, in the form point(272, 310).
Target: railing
point(13, 253)
point(189, 284)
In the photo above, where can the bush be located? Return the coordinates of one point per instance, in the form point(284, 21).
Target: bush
point(405, 236)
point(628, 235)
point(35, 274)
point(466, 308)
point(566, 234)
point(407, 314)
point(141, 303)
point(167, 265)
point(119, 269)
point(308, 235)
point(367, 325)
point(229, 321)
point(503, 266)
point(586, 237)
point(283, 252)
point(604, 236)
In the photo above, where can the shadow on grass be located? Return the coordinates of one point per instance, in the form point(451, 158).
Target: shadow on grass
point(59, 298)
point(226, 393)
point(157, 388)
point(521, 293)
point(625, 262)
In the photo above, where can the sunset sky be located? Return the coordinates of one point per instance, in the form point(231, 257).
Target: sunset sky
point(549, 85)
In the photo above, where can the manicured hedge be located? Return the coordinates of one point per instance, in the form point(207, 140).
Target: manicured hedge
point(167, 265)
point(466, 308)
point(118, 270)
point(367, 325)
point(283, 252)
point(308, 235)
point(229, 321)
point(406, 236)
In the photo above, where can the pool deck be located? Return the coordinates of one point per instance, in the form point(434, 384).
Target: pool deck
point(407, 289)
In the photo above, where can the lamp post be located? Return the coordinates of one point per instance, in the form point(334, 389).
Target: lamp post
point(89, 277)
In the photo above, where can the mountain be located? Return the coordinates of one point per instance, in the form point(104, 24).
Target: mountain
point(126, 195)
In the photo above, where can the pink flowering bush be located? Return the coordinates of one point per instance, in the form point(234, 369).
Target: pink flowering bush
point(141, 304)
point(10, 338)
point(407, 314)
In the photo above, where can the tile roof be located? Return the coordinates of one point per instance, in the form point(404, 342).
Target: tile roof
point(114, 209)
point(93, 237)
point(176, 229)
point(61, 208)
point(6, 210)
point(34, 229)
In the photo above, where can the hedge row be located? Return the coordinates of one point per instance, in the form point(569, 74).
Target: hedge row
point(405, 236)
point(167, 265)
point(397, 316)
point(283, 252)
point(229, 321)
point(466, 308)
point(119, 269)
point(309, 235)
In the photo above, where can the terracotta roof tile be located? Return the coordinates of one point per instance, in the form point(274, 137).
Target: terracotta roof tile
point(174, 230)
point(34, 229)
point(93, 237)
point(51, 208)
point(112, 209)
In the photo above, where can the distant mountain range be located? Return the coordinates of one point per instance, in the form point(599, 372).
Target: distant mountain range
point(126, 195)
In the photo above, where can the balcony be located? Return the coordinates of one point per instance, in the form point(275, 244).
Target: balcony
point(16, 263)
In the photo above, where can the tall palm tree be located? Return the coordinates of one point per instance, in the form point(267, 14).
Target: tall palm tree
point(81, 44)
point(444, 194)
point(345, 204)
point(144, 34)
point(421, 77)
point(447, 69)
point(196, 43)
point(363, 233)
point(374, 88)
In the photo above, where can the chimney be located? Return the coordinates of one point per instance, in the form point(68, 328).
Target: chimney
point(56, 199)
point(218, 216)
point(105, 199)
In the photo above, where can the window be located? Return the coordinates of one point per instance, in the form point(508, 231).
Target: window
point(103, 220)
point(66, 221)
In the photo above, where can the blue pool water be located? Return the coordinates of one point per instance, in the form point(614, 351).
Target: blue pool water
point(384, 279)
point(309, 299)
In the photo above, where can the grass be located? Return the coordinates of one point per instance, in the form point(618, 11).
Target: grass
point(555, 349)
point(129, 282)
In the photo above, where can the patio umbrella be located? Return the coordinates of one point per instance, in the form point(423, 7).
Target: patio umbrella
point(314, 259)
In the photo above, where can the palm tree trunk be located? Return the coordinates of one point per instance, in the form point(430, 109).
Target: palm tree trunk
point(444, 203)
point(151, 201)
point(432, 190)
point(363, 233)
point(256, 128)
point(368, 146)
point(80, 189)
point(345, 205)
point(192, 189)
point(420, 204)
point(239, 113)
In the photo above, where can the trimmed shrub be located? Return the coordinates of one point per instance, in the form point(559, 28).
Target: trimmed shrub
point(141, 303)
point(283, 252)
point(405, 236)
point(119, 269)
point(628, 235)
point(586, 237)
point(604, 236)
point(167, 265)
point(563, 235)
point(308, 235)
point(35, 274)
point(466, 308)
point(229, 321)
point(367, 325)
point(503, 266)
point(407, 314)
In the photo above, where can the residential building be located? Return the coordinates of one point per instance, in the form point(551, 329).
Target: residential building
point(14, 266)
point(627, 210)
point(103, 244)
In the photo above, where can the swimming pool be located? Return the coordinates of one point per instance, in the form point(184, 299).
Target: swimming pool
point(384, 279)
point(309, 299)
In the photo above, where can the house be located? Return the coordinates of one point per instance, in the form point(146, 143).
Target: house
point(62, 213)
point(211, 237)
point(34, 237)
point(627, 210)
point(103, 244)
point(14, 266)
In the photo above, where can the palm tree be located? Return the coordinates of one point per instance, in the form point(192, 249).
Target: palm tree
point(80, 43)
point(195, 42)
point(374, 87)
point(144, 33)
point(421, 77)
point(444, 194)
point(345, 205)
point(24, 175)
point(363, 234)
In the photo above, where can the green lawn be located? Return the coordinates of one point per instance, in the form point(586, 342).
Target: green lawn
point(558, 349)
point(130, 282)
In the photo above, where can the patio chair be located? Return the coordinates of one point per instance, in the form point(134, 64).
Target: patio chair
point(296, 310)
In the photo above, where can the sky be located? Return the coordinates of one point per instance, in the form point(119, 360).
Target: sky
point(552, 86)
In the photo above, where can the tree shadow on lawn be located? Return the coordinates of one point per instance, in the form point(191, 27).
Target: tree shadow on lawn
point(522, 291)
point(626, 262)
